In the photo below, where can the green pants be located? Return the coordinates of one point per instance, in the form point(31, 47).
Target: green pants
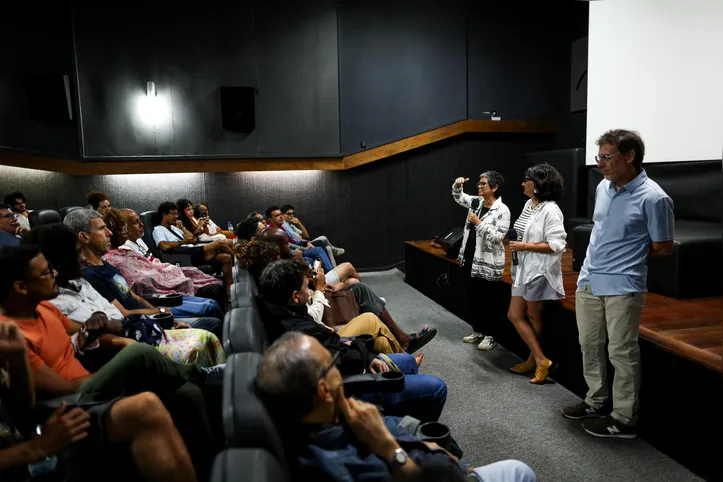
point(141, 368)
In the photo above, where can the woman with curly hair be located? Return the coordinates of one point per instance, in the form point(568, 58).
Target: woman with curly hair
point(78, 300)
point(538, 274)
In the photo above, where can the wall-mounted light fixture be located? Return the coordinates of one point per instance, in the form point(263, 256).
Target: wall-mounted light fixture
point(150, 89)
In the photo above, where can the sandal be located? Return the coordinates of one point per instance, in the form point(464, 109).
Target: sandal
point(542, 372)
point(418, 340)
point(525, 367)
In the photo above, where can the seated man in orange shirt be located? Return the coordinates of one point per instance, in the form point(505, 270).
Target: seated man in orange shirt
point(71, 440)
point(26, 283)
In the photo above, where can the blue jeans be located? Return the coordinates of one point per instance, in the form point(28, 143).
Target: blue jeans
point(214, 325)
point(320, 254)
point(197, 307)
point(423, 396)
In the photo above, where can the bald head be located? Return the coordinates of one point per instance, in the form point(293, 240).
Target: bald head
point(134, 224)
point(278, 236)
point(289, 374)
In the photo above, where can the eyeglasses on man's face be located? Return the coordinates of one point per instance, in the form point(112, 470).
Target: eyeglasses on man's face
point(7, 216)
point(47, 274)
point(335, 360)
point(606, 157)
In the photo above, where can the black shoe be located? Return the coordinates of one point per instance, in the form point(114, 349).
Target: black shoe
point(583, 410)
point(609, 427)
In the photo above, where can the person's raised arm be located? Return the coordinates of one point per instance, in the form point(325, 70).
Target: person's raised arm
point(464, 200)
point(304, 233)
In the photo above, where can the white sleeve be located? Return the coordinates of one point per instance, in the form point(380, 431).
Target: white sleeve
point(461, 198)
point(159, 235)
point(317, 303)
point(555, 234)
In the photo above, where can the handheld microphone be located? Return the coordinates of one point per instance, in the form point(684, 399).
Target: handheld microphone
point(512, 236)
point(475, 207)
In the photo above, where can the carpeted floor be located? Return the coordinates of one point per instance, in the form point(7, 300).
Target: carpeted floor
point(497, 415)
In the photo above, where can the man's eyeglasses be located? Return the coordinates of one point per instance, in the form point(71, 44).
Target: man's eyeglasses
point(334, 362)
point(7, 216)
point(50, 273)
point(606, 157)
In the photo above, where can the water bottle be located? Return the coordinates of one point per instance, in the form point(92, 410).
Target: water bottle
point(230, 226)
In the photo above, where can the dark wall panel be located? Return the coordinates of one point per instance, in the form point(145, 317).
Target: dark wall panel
point(34, 41)
point(42, 189)
point(287, 50)
point(515, 59)
point(402, 69)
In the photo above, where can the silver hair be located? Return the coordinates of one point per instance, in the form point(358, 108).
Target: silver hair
point(494, 179)
point(288, 376)
point(79, 220)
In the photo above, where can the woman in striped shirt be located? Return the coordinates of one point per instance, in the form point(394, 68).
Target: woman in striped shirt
point(538, 275)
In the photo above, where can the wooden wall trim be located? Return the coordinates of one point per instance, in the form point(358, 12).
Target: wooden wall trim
point(91, 167)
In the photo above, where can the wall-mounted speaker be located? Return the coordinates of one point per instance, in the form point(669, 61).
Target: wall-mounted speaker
point(238, 109)
point(49, 97)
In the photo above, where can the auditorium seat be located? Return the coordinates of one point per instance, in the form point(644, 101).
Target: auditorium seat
point(246, 422)
point(250, 465)
point(693, 269)
point(243, 293)
point(44, 216)
point(243, 331)
point(66, 209)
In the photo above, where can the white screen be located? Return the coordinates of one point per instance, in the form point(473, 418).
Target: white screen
point(656, 66)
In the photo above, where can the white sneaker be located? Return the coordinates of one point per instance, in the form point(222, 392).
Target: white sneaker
point(487, 344)
point(473, 338)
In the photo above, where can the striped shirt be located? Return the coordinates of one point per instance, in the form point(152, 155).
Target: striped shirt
point(521, 222)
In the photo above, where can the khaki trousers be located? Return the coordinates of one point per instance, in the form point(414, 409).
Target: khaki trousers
point(370, 324)
point(617, 319)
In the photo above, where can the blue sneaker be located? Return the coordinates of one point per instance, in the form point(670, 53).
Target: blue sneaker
point(214, 375)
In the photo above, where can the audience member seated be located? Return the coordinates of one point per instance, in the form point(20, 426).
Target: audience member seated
point(98, 201)
point(93, 239)
point(257, 215)
point(198, 227)
point(283, 305)
point(9, 225)
point(27, 282)
point(248, 229)
point(343, 275)
point(254, 256)
point(203, 211)
point(327, 436)
point(146, 278)
point(80, 302)
point(177, 277)
point(307, 250)
point(76, 444)
point(170, 236)
point(17, 202)
point(292, 224)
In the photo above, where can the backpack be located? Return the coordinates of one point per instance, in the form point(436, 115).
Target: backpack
point(143, 330)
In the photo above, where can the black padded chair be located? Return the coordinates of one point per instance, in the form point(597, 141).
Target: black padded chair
point(44, 216)
point(66, 209)
point(243, 293)
point(246, 422)
point(251, 465)
point(243, 331)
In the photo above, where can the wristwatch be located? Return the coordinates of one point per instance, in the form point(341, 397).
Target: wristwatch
point(399, 459)
point(163, 310)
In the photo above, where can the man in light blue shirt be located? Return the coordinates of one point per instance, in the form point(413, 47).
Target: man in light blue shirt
point(8, 226)
point(633, 221)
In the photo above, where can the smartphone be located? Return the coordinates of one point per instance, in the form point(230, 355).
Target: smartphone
point(317, 265)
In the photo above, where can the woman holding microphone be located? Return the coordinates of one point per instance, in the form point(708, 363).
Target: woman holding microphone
point(538, 276)
point(483, 253)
